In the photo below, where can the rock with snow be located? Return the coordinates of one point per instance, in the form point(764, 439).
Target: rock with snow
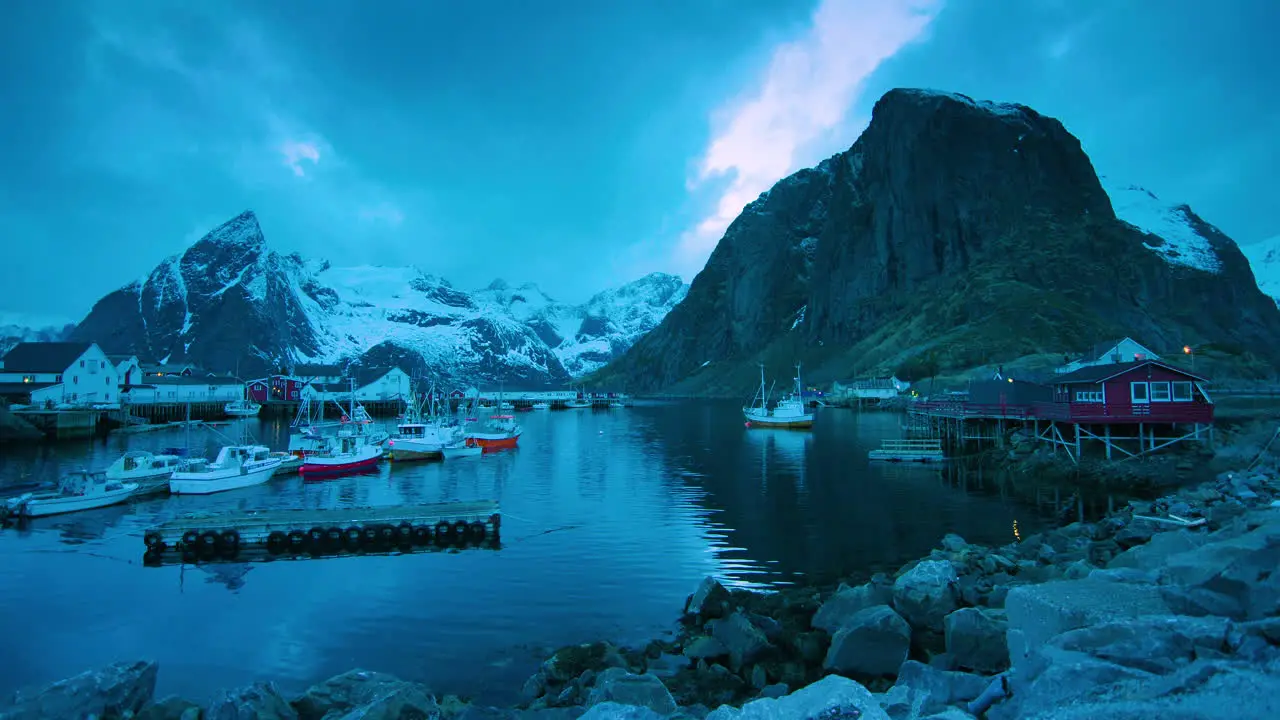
point(111, 691)
point(230, 302)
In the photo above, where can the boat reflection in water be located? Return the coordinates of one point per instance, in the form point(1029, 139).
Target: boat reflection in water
point(781, 452)
point(326, 548)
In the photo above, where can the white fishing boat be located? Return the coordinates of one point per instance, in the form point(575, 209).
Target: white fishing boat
point(237, 466)
point(150, 471)
point(464, 448)
point(241, 408)
point(790, 412)
point(541, 406)
point(351, 449)
point(578, 403)
point(79, 490)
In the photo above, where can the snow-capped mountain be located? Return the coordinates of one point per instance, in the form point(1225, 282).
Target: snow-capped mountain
point(1264, 258)
point(230, 301)
point(12, 333)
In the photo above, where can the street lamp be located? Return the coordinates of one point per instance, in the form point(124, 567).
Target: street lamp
point(1186, 350)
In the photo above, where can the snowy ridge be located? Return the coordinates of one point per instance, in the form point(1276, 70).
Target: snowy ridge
point(230, 301)
point(1182, 244)
point(1264, 260)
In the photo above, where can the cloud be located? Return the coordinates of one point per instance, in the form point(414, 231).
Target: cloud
point(807, 91)
point(295, 152)
point(384, 212)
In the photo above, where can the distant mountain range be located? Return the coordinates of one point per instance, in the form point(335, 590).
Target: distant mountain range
point(1264, 257)
point(231, 302)
point(12, 334)
point(954, 234)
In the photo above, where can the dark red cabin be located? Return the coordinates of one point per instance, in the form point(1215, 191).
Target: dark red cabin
point(259, 391)
point(1134, 392)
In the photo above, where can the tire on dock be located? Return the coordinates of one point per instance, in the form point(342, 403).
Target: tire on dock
point(276, 542)
point(422, 535)
point(154, 541)
point(444, 532)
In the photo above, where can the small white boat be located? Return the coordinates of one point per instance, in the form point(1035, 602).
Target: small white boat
point(237, 466)
point(150, 471)
point(541, 406)
point(79, 490)
point(241, 408)
point(577, 404)
point(461, 450)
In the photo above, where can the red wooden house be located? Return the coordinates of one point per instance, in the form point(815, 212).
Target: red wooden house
point(285, 388)
point(1143, 391)
point(259, 390)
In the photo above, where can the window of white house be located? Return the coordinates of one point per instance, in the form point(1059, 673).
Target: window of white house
point(1159, 392)
point(1182, 392)
point(1138, 392)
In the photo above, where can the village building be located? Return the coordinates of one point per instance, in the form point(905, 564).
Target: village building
point(276, 388)
point(869, 389)
point(128, 369)
point(177, 389)
point(1127, 350)
point(166, 369)
point(56, 373)
point(317, 374)
point(371, 385)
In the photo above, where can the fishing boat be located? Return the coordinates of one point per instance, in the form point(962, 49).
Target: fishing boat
point(150, 471)
point(540, 406)
point(461, 449)
point(501, 431)
point(79, 490)
point(422, 436)
point(237, 466)
point(348, 452)
point(578, 403)
point(790, 412)
point(241, 408)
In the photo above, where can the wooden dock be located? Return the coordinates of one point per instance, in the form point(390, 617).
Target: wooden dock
point(924, 450)
point(279, 532)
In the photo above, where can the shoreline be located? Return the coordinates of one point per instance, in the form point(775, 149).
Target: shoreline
point(1125, 615)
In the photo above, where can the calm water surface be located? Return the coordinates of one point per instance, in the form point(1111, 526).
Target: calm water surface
point(610, 519)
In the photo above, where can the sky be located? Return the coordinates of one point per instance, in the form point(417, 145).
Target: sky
point(577, 144)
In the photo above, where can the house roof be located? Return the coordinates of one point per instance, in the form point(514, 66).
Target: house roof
point(23, 388)
point(310, 370)
point(43, 357)
point(118, 358)
point(194, 380)
point(1102, 373)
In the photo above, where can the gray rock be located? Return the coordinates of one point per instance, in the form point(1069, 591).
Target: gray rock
point(119, 688)
point(776, 690)
point(259, 701)
point(1162, 546)
point(569, 662)
point(619, 711)
point(619, 686)
point(535, 687)
point(1156, 644)
point(759, 678)
point(709, 601)
point(924, 594)
point(1242, 568)
point(170, 708)
point(1054, 677)
point(1037, 613)
point(831, 698)
point(744, 640)
point(874, 642)
point(976, 639)
point(355, 688)
point(705, 647)
point(849, 601)
point(952, 542)
point(940, 687)
point(406, 701)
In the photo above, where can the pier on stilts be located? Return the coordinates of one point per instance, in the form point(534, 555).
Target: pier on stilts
point(259, 535)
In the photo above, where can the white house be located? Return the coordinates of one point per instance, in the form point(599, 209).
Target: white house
point(180, 389)
point(318, 374)
point(128, 369)
point(59, 372)
point(371, 385)
point(1127, 350)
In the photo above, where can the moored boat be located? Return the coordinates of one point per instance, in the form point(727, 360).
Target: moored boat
point(464, 448)
point(79, 490)
point(540, 406)
point(237, 466)
point(150, 471)
point(790, 412)
point(501, 431)
point(348, 452)
point(241, 408)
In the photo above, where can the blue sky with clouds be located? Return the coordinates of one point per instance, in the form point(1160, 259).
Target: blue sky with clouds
point(576, 144)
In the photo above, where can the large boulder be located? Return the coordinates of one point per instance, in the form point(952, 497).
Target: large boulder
point(924, 689)
point(872, 643)
point(356, 689)
point(119, 688)
point(1153, 554)
point(976, 639)
point(612, 711)
point(744, 641)
point(259, 701)
point(1241, 569)
point(1155, 643)
point(848, 601)
point(709, 601)
point(1037, 613)
point(619, 686)
point(925, 594)
point(831, 698)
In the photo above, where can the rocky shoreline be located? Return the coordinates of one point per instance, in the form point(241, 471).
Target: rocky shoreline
point(1124, 618)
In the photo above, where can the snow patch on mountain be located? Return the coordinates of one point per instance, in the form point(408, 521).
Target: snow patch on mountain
point(1176, 238)
point(1264, 260)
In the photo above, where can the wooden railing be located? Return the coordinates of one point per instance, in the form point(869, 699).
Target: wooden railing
point(1167, 412)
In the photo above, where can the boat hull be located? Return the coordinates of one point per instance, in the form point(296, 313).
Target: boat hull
point(37, 506)
point(495, 442)
point(461, 451)
point(365, 458)
point(758, 419)
point(413, 449)
point(220, 481)
point(156, 482)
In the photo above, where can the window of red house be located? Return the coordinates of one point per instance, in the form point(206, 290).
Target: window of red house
point(1182, 392)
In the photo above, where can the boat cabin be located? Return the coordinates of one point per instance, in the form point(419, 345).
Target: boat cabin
point(141, 460)
point(78, 482)
point(1136, 391)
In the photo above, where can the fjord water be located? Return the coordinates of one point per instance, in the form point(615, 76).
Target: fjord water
point(610, 520)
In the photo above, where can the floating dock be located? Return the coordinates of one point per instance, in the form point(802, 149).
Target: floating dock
point(909, 450)
point(272, 533)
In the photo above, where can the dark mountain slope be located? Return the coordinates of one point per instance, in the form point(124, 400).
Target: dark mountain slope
point(974, 232)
